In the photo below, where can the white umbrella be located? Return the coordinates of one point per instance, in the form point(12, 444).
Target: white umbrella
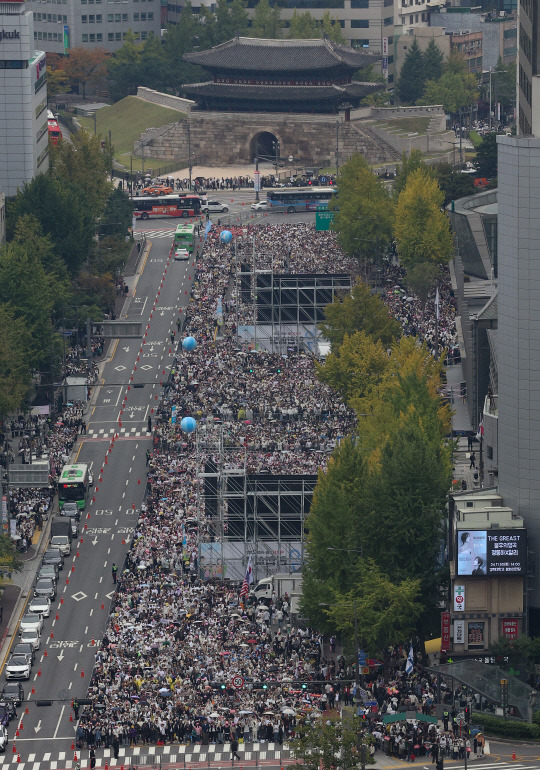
point(289, 712)
point(214, 715)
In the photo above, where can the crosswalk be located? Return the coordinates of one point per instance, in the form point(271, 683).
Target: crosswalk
point(135, 431)
point(185, 756)
point(480, 764)
point(162, 233)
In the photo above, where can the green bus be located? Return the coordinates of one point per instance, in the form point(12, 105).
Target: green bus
point(73, 485)
point(184, 237)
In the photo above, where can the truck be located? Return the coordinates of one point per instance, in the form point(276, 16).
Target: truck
point(278, 585)
point(61, 534)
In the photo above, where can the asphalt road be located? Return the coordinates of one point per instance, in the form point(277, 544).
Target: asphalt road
point(70, 637)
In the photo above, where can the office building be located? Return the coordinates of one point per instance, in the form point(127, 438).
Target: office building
point(24, 141)
point(528, 92)
point(60, 25)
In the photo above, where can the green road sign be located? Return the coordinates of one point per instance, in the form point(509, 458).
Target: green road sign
point(323, 219)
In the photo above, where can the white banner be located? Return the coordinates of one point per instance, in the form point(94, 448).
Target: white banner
point(459, 632)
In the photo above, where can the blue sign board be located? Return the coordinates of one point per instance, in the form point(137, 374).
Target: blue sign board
point(362, 658)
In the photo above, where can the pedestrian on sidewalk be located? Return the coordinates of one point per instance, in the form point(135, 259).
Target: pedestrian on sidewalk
point(469, 442)
point(92, 758)
point(149, 425)
point(472, 458)
point(333, 643)
point(234, 749)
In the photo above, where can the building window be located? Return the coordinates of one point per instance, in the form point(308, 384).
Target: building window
point(359, 23)
point(85, 38)
point(143, 16)
point(110, 17)
point(98, 18)
point(360, 43)
point(135, 17)
point(84, 19)
point(118, 36)
point(117, 17)
point(99, 37)
point(144, 35)
point(150, 15)
point(359, 3)
point(124, 17)
point(110, 36)
point(388, 22)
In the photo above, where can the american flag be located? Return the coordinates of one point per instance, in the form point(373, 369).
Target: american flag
point(248, 580)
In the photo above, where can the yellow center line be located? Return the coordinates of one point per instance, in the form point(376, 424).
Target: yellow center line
point(145, 259)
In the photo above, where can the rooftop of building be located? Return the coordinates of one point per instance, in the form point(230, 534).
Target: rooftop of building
point(258, 54)
point(258, 92)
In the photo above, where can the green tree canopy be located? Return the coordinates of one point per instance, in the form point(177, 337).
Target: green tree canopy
point(433, 60)
point(453, 183)
point(303, 26)
point(456, 89)
point(409, 163)
point(325, 745)
point(355, 366)
point(118, 215)
point(359, 311)
point(364, 212)
point(422, 230)
point(14, 361)
point(412, 78)
point(60, 207)
point(486, 156)
point(389, 610)
point(266, 20)
point(421, 279)
point(331, 28)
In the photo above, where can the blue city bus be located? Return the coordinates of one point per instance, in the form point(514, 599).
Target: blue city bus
point(292, 199)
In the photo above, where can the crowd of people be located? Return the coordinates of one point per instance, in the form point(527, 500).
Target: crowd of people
point(175, 642)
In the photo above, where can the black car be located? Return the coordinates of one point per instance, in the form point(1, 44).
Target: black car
point(72, 510)
point(23, 648)
point(54, 556)
point(13, 691)
point(48, 571)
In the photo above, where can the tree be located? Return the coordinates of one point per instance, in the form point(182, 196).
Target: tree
point(433, 60)
point(359, 311)
point(409, 163)
point(363, 212)
point(456, 89)
point(124, 67)
point(325, 745)
point(231, 19)
point(57, 82)
point(355, 366)
point(61, 209)
point(331, 28)
point(503, 84)
point(410, 84)
point(29, 234)
point(28, 294)
point(10, 558)
point(421, 278)
point(266, 20)
point(14, 362)
point(82, 163)
point(303, 26)
point(84, 65)
point(453, 183)
point(388, 610)
point(486, 156)
point(422, 230)
point(118, 215)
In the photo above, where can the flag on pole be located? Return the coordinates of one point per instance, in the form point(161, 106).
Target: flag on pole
point(410, 661)
point(437, 304)
point(248, 580)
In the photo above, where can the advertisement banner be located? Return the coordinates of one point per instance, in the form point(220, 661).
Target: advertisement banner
point(459, 598)
point(445, 631)
point(5, 515)
point(475, 633)
point(510, 628)
point(229, 559)
point(257, 181)
point(489, 552)
point(459, 632)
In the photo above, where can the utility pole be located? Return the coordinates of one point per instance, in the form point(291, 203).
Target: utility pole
point(257, 178)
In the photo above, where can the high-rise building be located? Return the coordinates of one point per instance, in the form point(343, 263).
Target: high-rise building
point(60, 25)
point(528, 91)
point(24, 140)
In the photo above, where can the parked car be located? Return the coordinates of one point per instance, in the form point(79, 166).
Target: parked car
point(48, 571)
point(157, 189)
point(14, 692)
point(259, 206)
point(3, 738)
point(25, 649)
point(54, 556)
point(45, 587)
point(30, 620)
point(215, 206)
point(18, 667)
point(62, 542)
point(40, 605)
point(32, 637)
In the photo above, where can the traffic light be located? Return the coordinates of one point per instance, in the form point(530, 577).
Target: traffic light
point(467, 713)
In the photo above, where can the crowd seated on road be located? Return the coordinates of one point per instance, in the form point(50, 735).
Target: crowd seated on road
point(175, 641)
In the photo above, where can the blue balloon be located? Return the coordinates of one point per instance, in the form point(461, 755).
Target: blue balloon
point(189, 343)
point(225, 236)
point(188, 424)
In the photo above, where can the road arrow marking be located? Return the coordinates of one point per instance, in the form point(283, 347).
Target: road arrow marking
point(37, 728)
point(61, 656)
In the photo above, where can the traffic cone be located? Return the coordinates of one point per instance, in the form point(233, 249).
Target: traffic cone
point(27, 711)
point(72, 745)
point(39, 672)
point(67, 581)
point(71, 720)
point(33, 690)
point(61, 600)
point(75, 757)
point(123, 541)
point(57, 618)
point(17, 733)
point(18, 757)
point(73, 568)
point(14, 749)
point(138, 481)
point(93, 641)
point(52, 635)
point(106, 765)
point(21, 726)
point(45, 654)
point(102, 606)
point(514, 754)
point(82, 672)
